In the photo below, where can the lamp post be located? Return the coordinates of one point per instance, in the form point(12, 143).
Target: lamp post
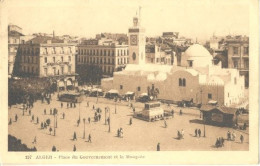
point(109, 119)
point(84, 128)
point(115, 105)
point(54, 132)
point(105, 115)
point(204, 129)
point(79, 112)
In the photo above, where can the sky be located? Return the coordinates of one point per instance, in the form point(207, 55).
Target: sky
point(191, 18)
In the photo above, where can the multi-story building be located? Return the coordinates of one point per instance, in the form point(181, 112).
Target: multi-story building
point(238, 55)
point(155, 55)
point(15, 37)
point(50, 57)
point(104, 55)
point(14, 34)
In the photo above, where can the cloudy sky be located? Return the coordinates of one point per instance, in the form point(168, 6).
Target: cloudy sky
point(192, 18)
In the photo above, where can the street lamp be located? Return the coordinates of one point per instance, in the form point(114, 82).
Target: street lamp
point(79, 112)
point(97, 97)
point(204, 129)
point(105, 115)
point(109, 119)
point(115, 105)
point(84, 128)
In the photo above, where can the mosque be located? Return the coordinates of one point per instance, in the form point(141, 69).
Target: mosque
point(197, 79)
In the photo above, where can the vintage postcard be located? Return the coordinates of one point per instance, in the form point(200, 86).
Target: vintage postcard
point(129, 81)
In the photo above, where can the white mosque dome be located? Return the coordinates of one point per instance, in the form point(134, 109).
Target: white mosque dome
point(197, 50)
point(196, 56)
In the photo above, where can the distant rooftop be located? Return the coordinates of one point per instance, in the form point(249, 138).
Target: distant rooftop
point(44, 39)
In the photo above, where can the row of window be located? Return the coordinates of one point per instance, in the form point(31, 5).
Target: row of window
point(235, 50)
point(236, 64)
point(26, 59)
point(30, 69)
point(103, 52)
point(102, 61)
point(54, 59)
point(53, 50)
point(55, 71)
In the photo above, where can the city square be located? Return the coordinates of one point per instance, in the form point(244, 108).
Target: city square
point(140, 136)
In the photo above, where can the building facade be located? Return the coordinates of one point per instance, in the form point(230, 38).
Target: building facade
point(238, 55)
point(14, 34)
point(48, 57)
point(106, 55)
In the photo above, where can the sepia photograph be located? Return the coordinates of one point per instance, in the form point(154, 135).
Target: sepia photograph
point(129, 76)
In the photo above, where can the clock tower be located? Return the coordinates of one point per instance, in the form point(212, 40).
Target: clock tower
point(136, 40)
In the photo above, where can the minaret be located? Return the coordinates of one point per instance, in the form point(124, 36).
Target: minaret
point(137, 41)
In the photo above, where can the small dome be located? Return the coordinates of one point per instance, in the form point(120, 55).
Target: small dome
point(197, 50)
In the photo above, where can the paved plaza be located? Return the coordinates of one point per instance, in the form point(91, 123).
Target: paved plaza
point(140, 136)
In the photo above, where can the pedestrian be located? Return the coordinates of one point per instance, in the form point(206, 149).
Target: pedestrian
point(50, 111)
point(233, 136)
point(88, 119)
point(180, 112)
point(165, 124)
point(74, 105)
point(89, 138)
point(50, 130)
point(158, 147)
point(134, 109)
point(61, 104)
point(228, 136)
point(53, 149)
point(74, 136)
point(63, 115)
point(30, 112)
point(42, 125)
point(34, 140)
point(16, 117)
point(241, 138)
point(93, 106)
point(44, 111)
point(67, 105)
point(88, 104)
point(217, 143)
point(37, 120)
point(74, 148)
point(78, 121)
point(244, 127)
point(70, 105)
point(199, 132)
point(130, 122)
point(196, 132)
point(10, 121)
point(118, 132)
point(172, 113)
point(32, 118)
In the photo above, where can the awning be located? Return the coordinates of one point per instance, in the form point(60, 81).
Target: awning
point(212, 102)
point(69, 83)
point(96, 89)
point(61, 84)
point(129, 93)
point(113, 91)
point(144, 94)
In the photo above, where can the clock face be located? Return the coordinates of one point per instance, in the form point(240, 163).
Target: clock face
point(133, 39)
